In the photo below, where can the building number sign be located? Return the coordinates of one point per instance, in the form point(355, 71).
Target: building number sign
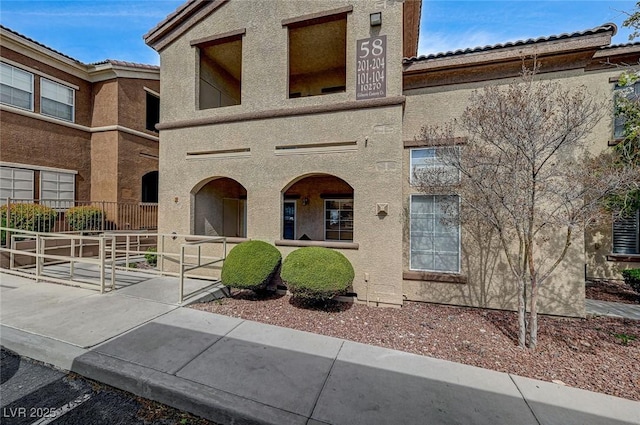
point(371, 68)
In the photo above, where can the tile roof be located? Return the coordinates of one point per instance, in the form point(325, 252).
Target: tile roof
point(169, 17)
point(109, 61)
point(40, 44)
point(127, 64)
point(597, 30)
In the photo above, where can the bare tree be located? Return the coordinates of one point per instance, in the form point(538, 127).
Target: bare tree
point(524, 169)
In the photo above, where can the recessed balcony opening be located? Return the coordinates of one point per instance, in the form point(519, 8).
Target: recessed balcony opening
point(317, 57)
point(220, 73)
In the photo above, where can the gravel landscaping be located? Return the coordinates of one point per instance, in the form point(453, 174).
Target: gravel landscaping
point(611, 290)
point(583, 353)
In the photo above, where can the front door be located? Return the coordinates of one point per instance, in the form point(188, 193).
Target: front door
point(289, 220)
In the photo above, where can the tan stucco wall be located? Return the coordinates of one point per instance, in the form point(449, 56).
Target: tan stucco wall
point(489, 282)
point(265, 172)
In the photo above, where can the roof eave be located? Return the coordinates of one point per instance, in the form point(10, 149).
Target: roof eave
point(540, 48)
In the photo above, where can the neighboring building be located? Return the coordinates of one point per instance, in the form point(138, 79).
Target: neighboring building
point(72, 131)
point(298, 123)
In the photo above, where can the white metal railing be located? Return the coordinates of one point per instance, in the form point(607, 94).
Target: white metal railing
point(113, 248)
point(40, 255)
point(163, 256)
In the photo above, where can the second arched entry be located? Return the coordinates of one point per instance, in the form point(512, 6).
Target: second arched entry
point(318, 207)
point(220, 208)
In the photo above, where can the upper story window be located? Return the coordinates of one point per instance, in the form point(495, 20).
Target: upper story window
point(318, 53)
point(220, 81)
point(153, 112)
point(16, 87)
point(430, 163)
point(56, 100)
point(631, 92)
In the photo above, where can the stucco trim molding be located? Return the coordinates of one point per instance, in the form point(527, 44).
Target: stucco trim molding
point(23, 112)
point(218, 38)
point(318, 17)
point(40, 73)
point(124, 130)
point(325, 244)
point(34, 115)
point(625, 258)
point(434, 277)
point(282, 113)
point(451, 141)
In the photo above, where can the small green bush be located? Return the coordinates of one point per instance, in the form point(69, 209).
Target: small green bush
point(151, 258)
point(317, 273)
point(250, 265)
point(32, 217)
point(84, 218)
point(632, 278)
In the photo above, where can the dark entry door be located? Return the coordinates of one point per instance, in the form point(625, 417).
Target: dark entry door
point(289, 220)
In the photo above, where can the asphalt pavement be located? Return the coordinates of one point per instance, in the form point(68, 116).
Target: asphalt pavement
point(34, 393)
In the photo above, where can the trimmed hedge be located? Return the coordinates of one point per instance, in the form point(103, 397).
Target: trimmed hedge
point(250, 265)
point(632, 278)
point(84, 218)
point(317, 273)
point(32, 217)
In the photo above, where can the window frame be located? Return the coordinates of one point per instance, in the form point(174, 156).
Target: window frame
point(459, 233)
point(57, 203)
point(13, 189)
point(324, 219)
point(635, 222)
point(31, 94)
point(73, 99)
point(412, 167)
point(635, 88)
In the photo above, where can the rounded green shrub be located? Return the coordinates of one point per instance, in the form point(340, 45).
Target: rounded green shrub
point(317, 273)
point(250, 265)
point(632, 278)
point(151, 256)
point(84, 218)
point(32, 217)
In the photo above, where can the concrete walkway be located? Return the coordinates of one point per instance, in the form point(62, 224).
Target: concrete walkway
point(611, 309)
point(236, 371)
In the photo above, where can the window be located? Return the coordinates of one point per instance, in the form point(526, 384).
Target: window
point(631, 92)
point(150, 187)
point(16, 87)
point(434, 233)
point(220, 72)
point(153, 112)
point(57, 187)
point(56, 100)
point(318, 56)
point(626, 235)
point(15, 183)
point(432, 159)
point(338, 219)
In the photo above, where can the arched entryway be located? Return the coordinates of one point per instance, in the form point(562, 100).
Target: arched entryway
point(318, 207)
point(219, 208)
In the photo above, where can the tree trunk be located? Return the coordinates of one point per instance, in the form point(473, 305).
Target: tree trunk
point(522, 324)
point(533, 316)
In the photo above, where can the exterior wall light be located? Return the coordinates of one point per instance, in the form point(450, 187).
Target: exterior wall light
point(375, 19)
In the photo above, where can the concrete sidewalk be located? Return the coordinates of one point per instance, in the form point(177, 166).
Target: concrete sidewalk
point(236, 371)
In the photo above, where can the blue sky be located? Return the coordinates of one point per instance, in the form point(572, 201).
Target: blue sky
point(93, 30)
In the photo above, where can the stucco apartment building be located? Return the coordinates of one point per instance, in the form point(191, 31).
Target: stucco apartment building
point(298, 123)
point(75, 131)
